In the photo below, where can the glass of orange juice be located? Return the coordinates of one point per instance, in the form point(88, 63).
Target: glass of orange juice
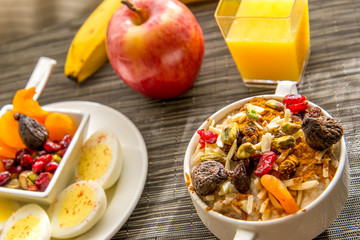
point(269, 40)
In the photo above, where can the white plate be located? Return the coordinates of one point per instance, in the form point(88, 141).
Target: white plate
point(125, 194)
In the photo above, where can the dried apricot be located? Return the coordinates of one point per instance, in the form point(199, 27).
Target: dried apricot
point(59, 125)
point(24, 103)
point(6, 151)
point(9, 131)
point(280, 192)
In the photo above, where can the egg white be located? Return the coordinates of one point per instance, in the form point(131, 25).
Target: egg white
point(113, 171)
point(97, 211)
point(29, 210)
point(10, 206)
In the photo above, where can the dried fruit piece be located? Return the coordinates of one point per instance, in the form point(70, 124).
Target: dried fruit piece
point(206, 137)
point(295, 102)
point(321, 132)
point(288, 167)
point(33, 134)
point(59, 125)
point(43, 180)
point(7, 151)
point(24, 103)
point(241, 178)
point(265, 163)
point(9, 132)
point(207, 176)
point(280, 192)
point(5, 177)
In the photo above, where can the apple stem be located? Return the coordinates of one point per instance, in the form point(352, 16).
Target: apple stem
point(134, 9)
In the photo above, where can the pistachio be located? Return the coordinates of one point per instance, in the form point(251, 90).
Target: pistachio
point(246, 150)
point(290, 128)
point(211, 157)
point(26, 179)
point(230, 133)
point(287, 141)
point(251, 112)
point(275, 105)
point(56, 158)
point(14, 184)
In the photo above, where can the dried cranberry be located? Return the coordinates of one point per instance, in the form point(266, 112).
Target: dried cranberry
point(65, 142)
point(295, 102)
point(5, 177)
point(26, 161)
point(44, 158)
point(41, 152)
point(51, 167)
point(20, 153)
point(265, 163)
point(16, 169)
point(51, 146)
point(43, 180)
point(206, 137)
point(38, 166)
point(8, 163)
point(61, 152)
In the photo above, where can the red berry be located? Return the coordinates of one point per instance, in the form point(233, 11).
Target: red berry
point(26, 161)
point(61, 152)
point(206, 137)
point(265, 163)
point(16, 169)
point(51, 146)
point(5, 177)
point(38, 166)
point(51, 167)
point(20, 153)
point(65, 142)
point(295, 102)
point(43, 180)
point(44, 158)
point(8, 163)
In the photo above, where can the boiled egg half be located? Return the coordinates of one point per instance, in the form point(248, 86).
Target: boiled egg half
point(101, 159)
point(7, 207)
point(77, 209)
point(28, 222)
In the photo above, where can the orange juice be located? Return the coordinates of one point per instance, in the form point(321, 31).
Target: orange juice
point(268, 39)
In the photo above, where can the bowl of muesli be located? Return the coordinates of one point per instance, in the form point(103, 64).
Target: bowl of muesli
point(268, 167)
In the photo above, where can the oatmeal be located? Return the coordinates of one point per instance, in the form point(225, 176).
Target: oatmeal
point(266, 160)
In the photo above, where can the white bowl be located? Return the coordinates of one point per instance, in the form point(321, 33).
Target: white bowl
point(305, 224)
point(65, 171)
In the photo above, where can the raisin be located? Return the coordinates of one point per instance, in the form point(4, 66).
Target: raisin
point(265, 163)
point(240, 177)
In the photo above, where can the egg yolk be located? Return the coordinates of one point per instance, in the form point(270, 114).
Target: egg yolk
point(7, 208)
point(76, 206)
point(94, 162)
point(27, 228)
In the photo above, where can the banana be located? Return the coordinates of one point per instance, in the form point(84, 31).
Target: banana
point(87, 52)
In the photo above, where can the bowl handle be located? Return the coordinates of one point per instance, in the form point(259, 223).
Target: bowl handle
point(244, 235)
point(286, 87)
point(40, 75)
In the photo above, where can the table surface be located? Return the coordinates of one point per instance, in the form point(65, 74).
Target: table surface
point(165, 211)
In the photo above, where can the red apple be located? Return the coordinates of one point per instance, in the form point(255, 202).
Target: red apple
point(157, 48)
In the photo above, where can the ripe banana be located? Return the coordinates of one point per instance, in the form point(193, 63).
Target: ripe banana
point(87, 52)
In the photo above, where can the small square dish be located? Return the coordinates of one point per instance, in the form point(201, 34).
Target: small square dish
point(65, 169)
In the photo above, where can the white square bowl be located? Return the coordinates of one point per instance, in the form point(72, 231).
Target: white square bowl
point(65, 171)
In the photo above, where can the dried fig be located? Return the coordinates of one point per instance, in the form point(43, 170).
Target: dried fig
point(207, 176)
point(321, 132)
point(32, 133)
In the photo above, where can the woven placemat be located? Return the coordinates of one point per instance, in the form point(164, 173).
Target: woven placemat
point(165, 211)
